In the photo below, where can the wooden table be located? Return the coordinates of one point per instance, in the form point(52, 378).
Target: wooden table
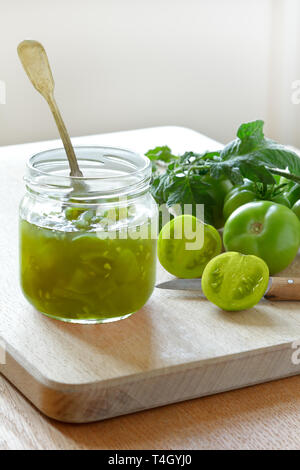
point(261, 417)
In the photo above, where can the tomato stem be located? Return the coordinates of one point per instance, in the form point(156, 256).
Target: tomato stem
point(286, 175)
point(256, 227)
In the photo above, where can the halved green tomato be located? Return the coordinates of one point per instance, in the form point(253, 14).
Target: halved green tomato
point(233, 281)
point(186, 245)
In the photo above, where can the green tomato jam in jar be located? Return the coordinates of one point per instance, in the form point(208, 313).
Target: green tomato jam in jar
point(88, 245)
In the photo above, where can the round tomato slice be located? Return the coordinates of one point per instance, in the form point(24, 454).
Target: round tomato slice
point(185, 245)
point(233, 281)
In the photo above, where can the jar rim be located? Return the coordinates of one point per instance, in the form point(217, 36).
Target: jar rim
point(110, 172)
point(31, 167)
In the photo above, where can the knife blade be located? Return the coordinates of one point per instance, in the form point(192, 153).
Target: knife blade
point(182, 284)
point(279, 288)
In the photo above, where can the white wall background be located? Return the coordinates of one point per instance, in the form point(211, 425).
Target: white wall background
point(123, 64)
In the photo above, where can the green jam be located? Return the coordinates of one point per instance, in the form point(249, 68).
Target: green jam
point(81, 276)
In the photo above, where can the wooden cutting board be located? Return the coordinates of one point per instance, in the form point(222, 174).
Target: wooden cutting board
point(177, 347)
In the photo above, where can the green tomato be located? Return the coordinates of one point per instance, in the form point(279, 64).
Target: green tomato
point(185, 245)
point(234, 190)
point(233, 281)
point(281, 199)
point(247, 184)
point(296, 209)
point(236, 199)
point(265, 229)
point(218, 190)
point(241, 195)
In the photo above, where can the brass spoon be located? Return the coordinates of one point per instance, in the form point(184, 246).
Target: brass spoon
point(35, 62)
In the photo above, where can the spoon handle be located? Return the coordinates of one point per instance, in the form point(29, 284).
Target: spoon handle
point(64, 136)
point(36, 64)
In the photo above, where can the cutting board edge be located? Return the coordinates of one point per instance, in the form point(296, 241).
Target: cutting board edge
point(151, 392)
point(63, 387)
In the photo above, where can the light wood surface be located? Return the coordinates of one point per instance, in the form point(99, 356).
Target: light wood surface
point(177, 347)
point(259, 417)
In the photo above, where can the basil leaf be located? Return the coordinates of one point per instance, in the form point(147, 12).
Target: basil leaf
point(258, 150)
point(162, 154)
point(250, 156)
point(186, 189)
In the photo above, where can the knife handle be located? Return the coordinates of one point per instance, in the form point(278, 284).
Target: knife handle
point(284, 288)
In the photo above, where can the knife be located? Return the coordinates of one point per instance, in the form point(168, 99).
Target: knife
point(279, 288)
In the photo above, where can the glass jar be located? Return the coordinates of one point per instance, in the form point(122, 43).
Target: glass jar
point(88, 245)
